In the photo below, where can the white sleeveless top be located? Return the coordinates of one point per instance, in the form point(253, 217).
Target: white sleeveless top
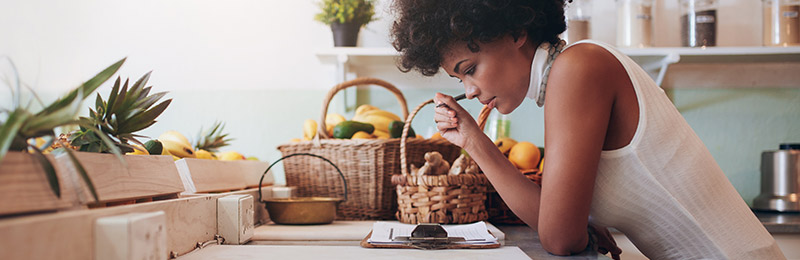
point(664, 190)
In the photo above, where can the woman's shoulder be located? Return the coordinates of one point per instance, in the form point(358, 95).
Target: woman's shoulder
point(588, 63)
point(586, 54)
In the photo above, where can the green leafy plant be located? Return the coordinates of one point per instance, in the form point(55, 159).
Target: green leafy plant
point(360, 12)
point(21, 124)
point(127, 111)
point(213, 140)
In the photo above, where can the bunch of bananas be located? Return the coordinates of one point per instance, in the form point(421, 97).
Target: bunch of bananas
point(369, 122)
point(176, 144)
point(380, 119)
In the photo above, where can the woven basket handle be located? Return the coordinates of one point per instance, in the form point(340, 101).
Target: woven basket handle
point(482, 117)
point(322, 129)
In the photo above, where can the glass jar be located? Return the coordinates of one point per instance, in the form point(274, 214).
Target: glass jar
point(499, 125)
point(781, 22)
point(579, 16)
point(634, 23)
point(698, 23)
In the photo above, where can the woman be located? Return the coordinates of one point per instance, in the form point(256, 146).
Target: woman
point(617, 148)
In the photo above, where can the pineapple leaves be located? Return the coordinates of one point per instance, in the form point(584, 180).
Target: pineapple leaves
point(119, 102)
point(143, 120)
point(82, 172)
point(130, 108)
point(49, 171)
point(214, 140)
point(91, 145)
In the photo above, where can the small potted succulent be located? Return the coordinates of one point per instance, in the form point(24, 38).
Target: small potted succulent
point(346, 17)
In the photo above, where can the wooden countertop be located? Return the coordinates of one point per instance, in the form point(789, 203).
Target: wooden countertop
point(338, 232)
point(348, 234)
point(271, 252)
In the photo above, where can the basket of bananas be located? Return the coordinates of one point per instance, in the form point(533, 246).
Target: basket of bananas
point(366, 149)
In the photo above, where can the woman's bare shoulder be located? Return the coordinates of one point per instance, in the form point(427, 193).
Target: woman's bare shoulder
point(586, 65)
point(585, 57)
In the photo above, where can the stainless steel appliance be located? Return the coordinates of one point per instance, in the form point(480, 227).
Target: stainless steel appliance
point(780, 180)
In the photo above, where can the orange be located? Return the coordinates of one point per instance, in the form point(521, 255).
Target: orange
point(524, 155)
point(436, 136)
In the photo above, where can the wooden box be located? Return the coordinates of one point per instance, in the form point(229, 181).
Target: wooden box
point(24, 187)
point(202, 175)
point(140, 177)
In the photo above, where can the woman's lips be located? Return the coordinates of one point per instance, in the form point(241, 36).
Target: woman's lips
point(491, 103)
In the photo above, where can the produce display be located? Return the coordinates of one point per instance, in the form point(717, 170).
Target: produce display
point(526, 156)
point(369, 122)
point(207, 145)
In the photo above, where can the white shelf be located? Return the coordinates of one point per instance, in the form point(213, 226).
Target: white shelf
point(654, 60)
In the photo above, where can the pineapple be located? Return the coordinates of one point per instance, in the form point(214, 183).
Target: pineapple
point(212, 141)
point(127, 111)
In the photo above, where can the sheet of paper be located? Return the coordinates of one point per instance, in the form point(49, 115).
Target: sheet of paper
point(475, 233)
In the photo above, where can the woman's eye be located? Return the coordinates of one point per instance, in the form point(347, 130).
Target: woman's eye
point(470, 71)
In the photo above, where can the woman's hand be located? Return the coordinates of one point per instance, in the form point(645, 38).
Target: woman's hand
point(453, 122)
point(605, 241)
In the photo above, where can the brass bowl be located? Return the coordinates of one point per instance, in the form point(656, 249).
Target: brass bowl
point(302, 211)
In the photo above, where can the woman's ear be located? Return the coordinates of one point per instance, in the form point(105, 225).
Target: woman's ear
point(521, 39)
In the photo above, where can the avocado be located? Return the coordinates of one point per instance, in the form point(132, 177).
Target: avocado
point(346, 129)
point(396, 130)
point(153, 147)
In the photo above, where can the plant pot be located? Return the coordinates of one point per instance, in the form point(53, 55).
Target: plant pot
point(142, 176)
point(345, 35)
point(24, 187)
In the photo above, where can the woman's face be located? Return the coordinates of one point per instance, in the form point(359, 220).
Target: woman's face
point(498, 75)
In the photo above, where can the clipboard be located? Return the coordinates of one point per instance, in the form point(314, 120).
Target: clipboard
point(366, 244)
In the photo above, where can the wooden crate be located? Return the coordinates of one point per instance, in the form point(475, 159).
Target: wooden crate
point(69, 235)
point(24, 187)
point(202, 176)
point(140, 177)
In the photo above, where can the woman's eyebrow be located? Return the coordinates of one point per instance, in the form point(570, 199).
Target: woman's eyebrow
point(455, 69)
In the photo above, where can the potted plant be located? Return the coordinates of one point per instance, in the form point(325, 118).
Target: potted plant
point(138, 177)
point(346, 17)
point(30, 181)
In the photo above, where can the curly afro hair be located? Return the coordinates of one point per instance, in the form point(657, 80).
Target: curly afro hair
point(425, 27)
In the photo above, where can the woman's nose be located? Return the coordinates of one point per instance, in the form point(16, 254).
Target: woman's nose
point(470, 90)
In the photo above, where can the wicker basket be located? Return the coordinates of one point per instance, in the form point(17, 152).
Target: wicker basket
point(445, 199)
point(368, 164)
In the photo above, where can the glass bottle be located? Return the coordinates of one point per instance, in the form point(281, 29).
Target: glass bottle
point(634, 23)
point(698, 23)
point(781, 22)
point(579, 16)
point(499, 125)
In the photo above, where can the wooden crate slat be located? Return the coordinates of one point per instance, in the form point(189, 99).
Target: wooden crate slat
point(211, 175)
point(143, 175)
point(24, 187)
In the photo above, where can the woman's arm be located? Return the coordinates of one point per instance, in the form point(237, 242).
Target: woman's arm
point(581, 92)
